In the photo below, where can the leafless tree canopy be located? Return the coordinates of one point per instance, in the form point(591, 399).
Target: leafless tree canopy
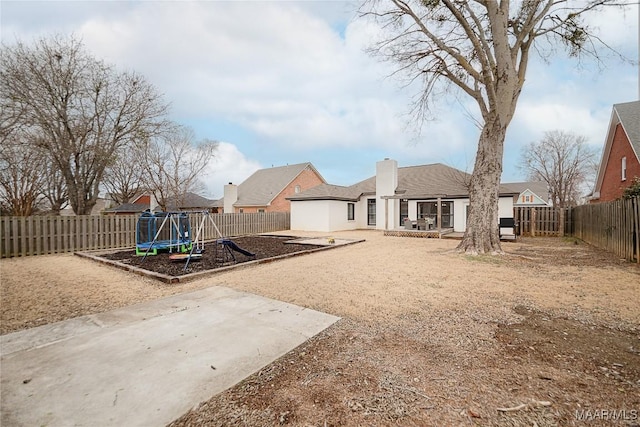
point(21, 178)
point(564, 162)
point(123, 178)
point(481, 47)
point(174, 164)
point(84, 109)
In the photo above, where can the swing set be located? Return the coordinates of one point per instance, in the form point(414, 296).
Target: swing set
point(174, 234)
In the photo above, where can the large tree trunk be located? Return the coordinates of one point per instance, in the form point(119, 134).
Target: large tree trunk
point(81, 201)
point(482, 234)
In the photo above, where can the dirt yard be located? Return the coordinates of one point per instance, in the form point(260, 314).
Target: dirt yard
point(547, 335)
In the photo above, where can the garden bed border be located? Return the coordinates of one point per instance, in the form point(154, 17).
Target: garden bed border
point(95, 256)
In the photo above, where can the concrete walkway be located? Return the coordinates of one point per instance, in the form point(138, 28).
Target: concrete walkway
point(147, 364)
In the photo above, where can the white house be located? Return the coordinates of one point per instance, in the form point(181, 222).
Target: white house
point(534, 193)
point(435, 192)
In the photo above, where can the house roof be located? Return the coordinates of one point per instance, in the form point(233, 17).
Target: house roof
point(190, 201)
point(626, 114)
point(539, 188)
point(265, 184)
point(129, 208)
point(414, 182)
point(329, 192)
point(629, 116)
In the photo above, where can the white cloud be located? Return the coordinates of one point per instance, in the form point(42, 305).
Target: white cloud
point(294, 76)
point(229, 165)
point(271, 67)
point(617, 25)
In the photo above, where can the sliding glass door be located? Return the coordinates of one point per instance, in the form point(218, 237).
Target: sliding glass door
point(430, 210)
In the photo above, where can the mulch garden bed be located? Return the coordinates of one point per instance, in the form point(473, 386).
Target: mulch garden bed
point(213, 257)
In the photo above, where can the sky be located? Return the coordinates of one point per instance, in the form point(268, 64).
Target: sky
point(286, 82)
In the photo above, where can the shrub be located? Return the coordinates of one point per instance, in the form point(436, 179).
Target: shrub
point(633, 190)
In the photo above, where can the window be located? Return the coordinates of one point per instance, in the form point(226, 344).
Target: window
point(260, 210)
point(351, 211)
point(297, 189)
point(371, 211)
point(241, 210)
point(624, 168)
point(404, 211)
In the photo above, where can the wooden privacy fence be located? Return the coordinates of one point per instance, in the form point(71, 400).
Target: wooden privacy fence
point(612, 226)
point(39, 235)
point(540, 221)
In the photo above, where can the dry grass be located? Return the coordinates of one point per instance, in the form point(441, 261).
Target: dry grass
point(430, 337)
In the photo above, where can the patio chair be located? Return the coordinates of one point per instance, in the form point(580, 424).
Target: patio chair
point(422, 224)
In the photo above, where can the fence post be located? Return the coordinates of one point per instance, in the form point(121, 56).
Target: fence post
point(533, 222)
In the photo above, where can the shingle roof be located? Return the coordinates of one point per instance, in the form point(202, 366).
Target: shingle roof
point(129, 208)
point(539, 188)
point(265, 184)
point(414, 182)
point(629, 115)
point(190, 201)
point(328, 192)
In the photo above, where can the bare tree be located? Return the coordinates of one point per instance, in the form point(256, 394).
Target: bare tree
point(174, 165)
point(55, 188)
point(123, 178)
point(564, 162)
point(84, 109)
point(21, 178)
point(482, 48)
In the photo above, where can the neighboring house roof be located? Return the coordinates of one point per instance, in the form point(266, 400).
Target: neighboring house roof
point(414, 182)
point(626, 114)
point(129, 208)
point(629, 116)
point(100, 206)
point(265, 184)
point(538, 188)
point(529, 198)
point(190, 201)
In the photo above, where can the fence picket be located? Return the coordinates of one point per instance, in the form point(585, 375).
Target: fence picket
point(613, 226)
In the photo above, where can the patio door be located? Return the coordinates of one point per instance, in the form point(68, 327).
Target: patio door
point(430, 210)
point(371, 212)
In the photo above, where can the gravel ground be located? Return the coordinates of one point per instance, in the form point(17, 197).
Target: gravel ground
point(428, 336)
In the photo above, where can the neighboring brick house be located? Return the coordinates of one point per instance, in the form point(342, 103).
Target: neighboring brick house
point(267, 189)
point(620, 161)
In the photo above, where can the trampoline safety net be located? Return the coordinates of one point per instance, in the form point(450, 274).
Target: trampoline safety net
point(163, 231)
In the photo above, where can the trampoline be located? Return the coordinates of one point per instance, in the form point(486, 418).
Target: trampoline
point(168, 231)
